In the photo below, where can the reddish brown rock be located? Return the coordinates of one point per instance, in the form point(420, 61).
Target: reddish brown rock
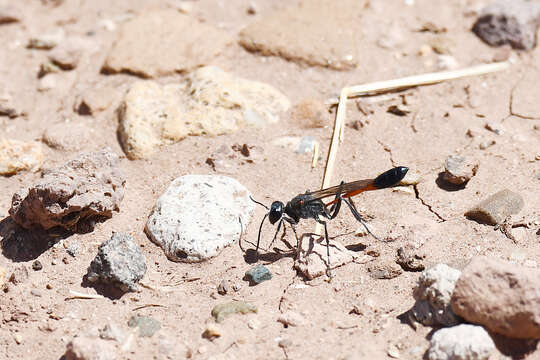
point(163, 42)
point(73, 196)
point(503, 297)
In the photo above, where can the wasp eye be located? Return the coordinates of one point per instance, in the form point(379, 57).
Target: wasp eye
point(276, 212)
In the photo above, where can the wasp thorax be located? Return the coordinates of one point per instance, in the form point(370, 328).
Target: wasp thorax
point(276, 212)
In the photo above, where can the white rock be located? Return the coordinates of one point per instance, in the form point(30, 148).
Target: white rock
point(462, 342)
point(433, 294)
point(198, 215)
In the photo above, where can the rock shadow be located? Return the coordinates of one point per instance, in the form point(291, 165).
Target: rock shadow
point(514, 348)
point(20, 244)
point(108, 290)
point(446, 186)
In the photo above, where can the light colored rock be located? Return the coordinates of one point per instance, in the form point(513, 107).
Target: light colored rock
point(433, 293)
point(461, 342)
point(497, 208)
point(291, 318)
point(306, 34)
point(384, 269)
point(198, 215)
point(149, 116)
point(300, 145)
point(46, 41)
point(213, 102)
point(503, 297)
point(69, 52)
point(459, 170)
point(9, 14)
point(68, 136)
point(313, 263)
point(524, 101)
point(73, 196)
point(16, 156)
point(90, 348)
point(163, 42)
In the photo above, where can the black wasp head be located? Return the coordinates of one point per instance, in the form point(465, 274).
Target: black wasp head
point(276, 212)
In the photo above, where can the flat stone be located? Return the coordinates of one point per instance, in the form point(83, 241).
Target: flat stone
point(199, 215)
point(496, 208)
point(17, 156)
point(119, 261)
point(99, 97)
point(258, 274)
point(46, 41)
point(212, 102)
point(384, 269)
point(291, 318)
point(73, 196)
point(9, 14)
point(524, 101)
point(461, 342)
point(90, 348)
point(312, 261)
point(148, 326)
point(503, 297)
point(433, 293)
point(509, 22)
point(164, 42)
point(459, 170)
point(68, 136)
point(221, 311)
point(306, 34)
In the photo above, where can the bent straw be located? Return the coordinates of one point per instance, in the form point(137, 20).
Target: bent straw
point(386, 86)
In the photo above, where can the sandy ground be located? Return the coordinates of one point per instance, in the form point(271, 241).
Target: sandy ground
point(181, 296)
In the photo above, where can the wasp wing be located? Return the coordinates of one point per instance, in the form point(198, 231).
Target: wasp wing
point(352, 188)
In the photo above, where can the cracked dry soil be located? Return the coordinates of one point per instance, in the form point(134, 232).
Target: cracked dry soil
point(37, 319)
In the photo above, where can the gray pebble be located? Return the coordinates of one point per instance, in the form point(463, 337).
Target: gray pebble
point(258, 274)
point(509, 22)
point(148, 326)
point(119, 261)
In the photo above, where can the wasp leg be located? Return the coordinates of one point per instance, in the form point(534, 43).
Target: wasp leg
point(277, 231)
point(293, 223)
point(357, 216)
point(259, 236)
point(334, 209)
point(329, 269)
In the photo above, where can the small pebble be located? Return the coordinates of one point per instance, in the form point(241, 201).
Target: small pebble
point(459, 170)
point(291, 318)
point(36, 265)
point(35, 292)
point(410, 259)
point(237, 287)
point(393, 352)
point(258, 274)
point(223, 287)
point(212, 332)
point(18, 338)
point(48, 286)
point(382, 269)
point(221, 311)
point(148, 326)
point(285, 343)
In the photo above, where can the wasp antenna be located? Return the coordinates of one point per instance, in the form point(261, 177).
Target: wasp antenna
point(256, 202)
